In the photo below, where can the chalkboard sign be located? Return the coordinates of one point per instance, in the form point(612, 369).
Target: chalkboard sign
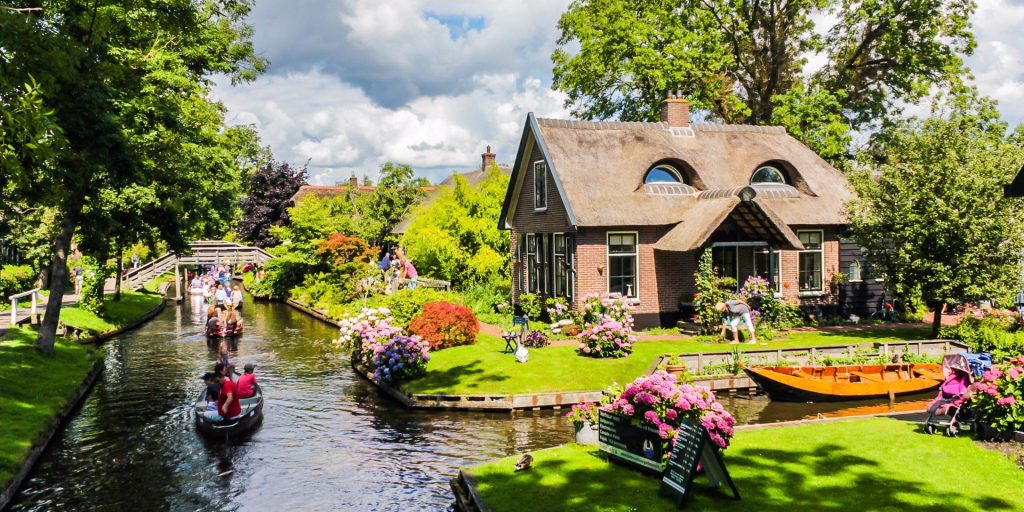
point(693, 446)
point(638, 445)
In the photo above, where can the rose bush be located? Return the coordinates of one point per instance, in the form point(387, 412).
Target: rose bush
point(606, 338)
point(659, 400)
point(998, 397)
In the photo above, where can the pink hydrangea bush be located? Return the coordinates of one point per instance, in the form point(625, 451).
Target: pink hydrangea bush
point(607, 338)
point(368, 323)
point(659, 400)
point(998, 396)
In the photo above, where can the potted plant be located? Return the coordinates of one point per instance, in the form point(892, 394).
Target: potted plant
point(675, 366)
point(584, 419)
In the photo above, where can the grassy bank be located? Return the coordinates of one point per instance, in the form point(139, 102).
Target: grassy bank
point(484, 368)
point(116, 314)
point(34, 388)
point(873, 464)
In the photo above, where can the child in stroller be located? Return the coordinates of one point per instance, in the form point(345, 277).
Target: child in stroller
point(954, 394)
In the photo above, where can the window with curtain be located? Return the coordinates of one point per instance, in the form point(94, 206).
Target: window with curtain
point(811, 261)
point(622, 264)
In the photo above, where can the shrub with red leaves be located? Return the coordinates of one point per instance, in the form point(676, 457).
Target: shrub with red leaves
point(443, 325)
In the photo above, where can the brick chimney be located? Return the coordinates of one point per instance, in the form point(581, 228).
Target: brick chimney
point(675, 110)
point(488, 160)
point(353, 181)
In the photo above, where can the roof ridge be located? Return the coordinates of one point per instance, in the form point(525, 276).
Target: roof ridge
point(657, 125)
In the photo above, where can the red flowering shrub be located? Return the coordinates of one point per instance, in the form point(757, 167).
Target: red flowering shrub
point(443, 325)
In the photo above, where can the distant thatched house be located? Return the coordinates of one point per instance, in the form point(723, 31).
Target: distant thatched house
point(597, 207)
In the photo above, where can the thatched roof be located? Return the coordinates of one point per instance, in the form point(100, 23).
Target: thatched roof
point(599, 168)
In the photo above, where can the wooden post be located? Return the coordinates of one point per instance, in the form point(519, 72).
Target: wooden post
point(32, 315)
point(177, 282)
point(14, 311)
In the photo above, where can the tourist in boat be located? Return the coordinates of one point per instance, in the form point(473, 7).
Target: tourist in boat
point(212, 321)
point(232, 321)
point(247, 382)
point(227, 400)
point(737, 311)
point(236, 297)
point(212, 389)
point(221, 297)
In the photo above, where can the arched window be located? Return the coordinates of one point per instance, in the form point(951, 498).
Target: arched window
point(855, 270)
point(663, 174)
point(767, 174)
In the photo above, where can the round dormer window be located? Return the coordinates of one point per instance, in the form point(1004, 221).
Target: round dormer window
point(663, 174)
point(767, 174)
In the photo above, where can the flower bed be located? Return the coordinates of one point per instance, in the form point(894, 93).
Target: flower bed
point(382, 348)
point(998, 398)
point(659, 400)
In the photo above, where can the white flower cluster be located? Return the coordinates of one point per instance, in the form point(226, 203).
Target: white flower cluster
point(352, 327)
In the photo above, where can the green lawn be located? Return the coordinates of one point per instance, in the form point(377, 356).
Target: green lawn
point(483, 368)
point(116, 314)
point(33, 389)
point(154, 285)
point(877, 464)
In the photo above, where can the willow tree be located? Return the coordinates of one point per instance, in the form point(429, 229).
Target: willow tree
point(931, 213)
point(745, 61)
point(128, 86)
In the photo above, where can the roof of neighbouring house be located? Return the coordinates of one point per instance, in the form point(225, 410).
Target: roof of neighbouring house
point(599, 170)
point(337, 190)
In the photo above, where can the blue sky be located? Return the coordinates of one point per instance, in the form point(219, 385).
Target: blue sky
point(430, 83)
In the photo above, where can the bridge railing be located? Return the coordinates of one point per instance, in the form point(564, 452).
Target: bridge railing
point(203, 252)
point(34, 292)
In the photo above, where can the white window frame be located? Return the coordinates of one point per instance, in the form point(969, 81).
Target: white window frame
point(776, 290)
point(555, 266)
point(539, 207)
point(860, 271)
point(821, 254)
point(636, 262)
point(530, 259)
point(669, 169)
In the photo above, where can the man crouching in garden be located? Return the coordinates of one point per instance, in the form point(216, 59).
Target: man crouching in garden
point(734, 312)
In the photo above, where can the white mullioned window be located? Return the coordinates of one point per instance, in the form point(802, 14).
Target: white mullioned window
point(540, 185)
point(622, 264)
point(811, 260)
point(531, 263)
point(855, 271)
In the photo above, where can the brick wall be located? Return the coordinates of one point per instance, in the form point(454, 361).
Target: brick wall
point(552, 220)
point(791, 266)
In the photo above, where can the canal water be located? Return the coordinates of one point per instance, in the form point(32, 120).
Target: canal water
point(329, 439)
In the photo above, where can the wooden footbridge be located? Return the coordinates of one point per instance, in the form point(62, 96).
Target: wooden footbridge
point(203, 252)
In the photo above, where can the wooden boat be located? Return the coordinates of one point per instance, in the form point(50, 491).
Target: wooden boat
point(224, 332)
point(252, 413)
point(838, 383)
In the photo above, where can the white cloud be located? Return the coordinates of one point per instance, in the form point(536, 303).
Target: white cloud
point(340, 130)
point(998, 61)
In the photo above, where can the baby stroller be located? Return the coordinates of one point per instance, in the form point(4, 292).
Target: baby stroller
point(951, 410)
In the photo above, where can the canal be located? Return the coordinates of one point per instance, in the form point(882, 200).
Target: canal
point(329, 440)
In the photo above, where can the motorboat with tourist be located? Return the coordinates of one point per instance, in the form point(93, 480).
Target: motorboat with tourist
point(252, 413)
point(846, 382)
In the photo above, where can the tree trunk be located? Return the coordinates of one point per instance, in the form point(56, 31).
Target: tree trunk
point(937, 321)
point(58, 280)
point(117, 275)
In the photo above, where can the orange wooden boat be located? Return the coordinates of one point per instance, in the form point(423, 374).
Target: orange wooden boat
point(851, 382)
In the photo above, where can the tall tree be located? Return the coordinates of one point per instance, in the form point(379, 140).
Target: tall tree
point(931, 212)
point(454, 237)
point(128, 84)
point(740, 60)
point(270, 191)
point(396, 193)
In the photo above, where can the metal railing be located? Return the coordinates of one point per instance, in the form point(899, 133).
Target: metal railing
point(14, 304)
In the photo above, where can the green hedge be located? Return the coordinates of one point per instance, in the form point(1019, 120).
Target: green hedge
point(16, 279)
point(404, 304)
point(999, 334)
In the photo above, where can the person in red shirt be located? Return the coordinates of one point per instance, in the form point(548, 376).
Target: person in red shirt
point(227, 401)
point(246, 382)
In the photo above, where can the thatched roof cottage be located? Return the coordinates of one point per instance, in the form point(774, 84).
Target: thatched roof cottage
point(627, 207)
